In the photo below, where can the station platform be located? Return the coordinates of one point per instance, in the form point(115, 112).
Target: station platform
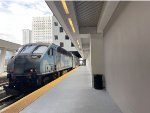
point(74, 94)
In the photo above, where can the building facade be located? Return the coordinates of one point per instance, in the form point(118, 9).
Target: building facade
point(60, 37)
point(49, 30)
point(27, 36)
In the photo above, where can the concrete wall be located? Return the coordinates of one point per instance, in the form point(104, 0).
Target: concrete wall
point(88, 63)
point(9, 45)
point(97, 58)
point(88, 60)
point(127, 57)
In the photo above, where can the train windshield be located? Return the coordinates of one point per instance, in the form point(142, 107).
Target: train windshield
point(28, 49)
point(40, 49)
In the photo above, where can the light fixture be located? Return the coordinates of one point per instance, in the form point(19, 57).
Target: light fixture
point(71, 24)
point(78, 43)
point(65, 6)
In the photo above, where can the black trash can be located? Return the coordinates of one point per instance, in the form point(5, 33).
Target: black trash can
point(98, 81)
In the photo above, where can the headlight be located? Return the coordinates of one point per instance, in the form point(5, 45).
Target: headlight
point(32, 70)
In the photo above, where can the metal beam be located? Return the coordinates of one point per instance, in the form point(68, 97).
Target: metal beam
point(88, 30)
point(108, 10)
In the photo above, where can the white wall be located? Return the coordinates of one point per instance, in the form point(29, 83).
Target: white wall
point(127, 57)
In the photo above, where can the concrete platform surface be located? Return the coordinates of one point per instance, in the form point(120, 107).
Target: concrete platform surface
point(74, 95)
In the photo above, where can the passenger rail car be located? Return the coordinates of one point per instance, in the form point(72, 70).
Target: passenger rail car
point(35, 64)
point(75, 61)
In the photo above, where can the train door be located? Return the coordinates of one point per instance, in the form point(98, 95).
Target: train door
point(51, 59)
point(58, 61)
point(55, 59)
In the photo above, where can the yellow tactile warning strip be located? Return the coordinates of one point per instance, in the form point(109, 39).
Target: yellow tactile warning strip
point(24, 102)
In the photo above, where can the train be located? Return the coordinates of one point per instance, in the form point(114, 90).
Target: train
point(36, 64)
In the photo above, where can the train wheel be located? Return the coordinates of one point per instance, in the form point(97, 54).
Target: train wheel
point(64, 72)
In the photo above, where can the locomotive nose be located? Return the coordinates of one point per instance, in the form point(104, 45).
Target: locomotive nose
point(22, 63)
point(19, 64)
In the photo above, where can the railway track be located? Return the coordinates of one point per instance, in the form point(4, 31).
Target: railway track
point(9, 99)
point(5, 99)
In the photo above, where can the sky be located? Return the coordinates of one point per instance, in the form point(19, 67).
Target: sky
point(16, 15)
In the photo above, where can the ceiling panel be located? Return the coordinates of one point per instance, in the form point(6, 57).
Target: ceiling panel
point(88, 12)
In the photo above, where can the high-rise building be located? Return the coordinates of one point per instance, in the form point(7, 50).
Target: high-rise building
point(49, 30)
point(42, 29)
point(27, 36)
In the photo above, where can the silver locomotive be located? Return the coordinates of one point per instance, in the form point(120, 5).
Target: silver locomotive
point(38, 63)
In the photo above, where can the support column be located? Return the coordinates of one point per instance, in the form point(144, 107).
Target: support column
point(88, 61)
point(2, 59)
point(97, 60)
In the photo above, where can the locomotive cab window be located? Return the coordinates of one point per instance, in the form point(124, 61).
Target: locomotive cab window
point(28, 49)
point(40, 49)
